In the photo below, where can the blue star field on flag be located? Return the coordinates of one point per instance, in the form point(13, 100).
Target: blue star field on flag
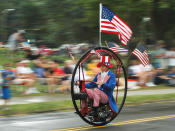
point(107, 14)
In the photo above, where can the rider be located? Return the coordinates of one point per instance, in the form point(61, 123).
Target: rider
point(102, 87)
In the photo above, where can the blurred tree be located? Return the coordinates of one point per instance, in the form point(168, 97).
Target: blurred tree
point(72, 21)
point(4, 16)
point(162, 14)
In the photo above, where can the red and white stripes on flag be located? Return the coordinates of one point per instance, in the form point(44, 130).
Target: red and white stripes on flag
point(141, 53)
point(111, 23)
point(116, 48)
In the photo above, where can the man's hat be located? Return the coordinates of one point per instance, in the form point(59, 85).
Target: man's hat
point(105, 60)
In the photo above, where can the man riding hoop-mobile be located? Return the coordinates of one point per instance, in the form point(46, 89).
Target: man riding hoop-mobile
point(97, 101)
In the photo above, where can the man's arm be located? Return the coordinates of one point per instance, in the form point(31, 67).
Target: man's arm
point(92, 84)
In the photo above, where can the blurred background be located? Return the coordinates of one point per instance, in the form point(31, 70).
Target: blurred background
point(40, 34)
point(51, 26)
point(56, 22)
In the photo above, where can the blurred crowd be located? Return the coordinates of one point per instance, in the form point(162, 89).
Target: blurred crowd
point(35, 68)
point(33, 71)
point(160, 71)
point(44, 71)
point(56, 74)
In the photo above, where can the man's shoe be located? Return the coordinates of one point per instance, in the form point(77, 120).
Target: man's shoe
point(93, 112)
point(81, 96)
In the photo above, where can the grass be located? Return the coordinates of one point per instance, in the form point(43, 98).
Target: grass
point(162, 86)
point(9, 57)
point(140, 99)
point(17, 89)
point(38, 107)
point(66, 105)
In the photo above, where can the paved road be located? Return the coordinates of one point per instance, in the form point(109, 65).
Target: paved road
point(147, 117)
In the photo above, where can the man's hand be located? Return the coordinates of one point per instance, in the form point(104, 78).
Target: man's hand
point(77, 83)
point(99, 83)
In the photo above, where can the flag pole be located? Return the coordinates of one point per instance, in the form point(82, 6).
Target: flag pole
point(106, 43)
point(100, 9)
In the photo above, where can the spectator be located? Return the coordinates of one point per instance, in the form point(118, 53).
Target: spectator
point(149, 73)
point(49, 77)
point(1, 69)
point(14, 39)
point(171, 57)
point(159, 55)
point(57, 71)
point(136, 71)
point(68, 70)
point(144, 75)
point(44, 72)
point(31, 56)
point(25, 45)
point(7, 77)
point(81, 72)
point(40, 67)
point(171, 77)
point(160, 76)
point(55, 75)
point(26, 77)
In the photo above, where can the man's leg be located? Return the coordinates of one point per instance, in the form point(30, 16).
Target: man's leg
point(90, 94)
point(99, 97)
point(96, 97)
point(103, 98)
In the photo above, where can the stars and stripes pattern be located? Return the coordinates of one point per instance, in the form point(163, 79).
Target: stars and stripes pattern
point(116, 48)
point(105, 59)
point(141, 53)
point(111, 23)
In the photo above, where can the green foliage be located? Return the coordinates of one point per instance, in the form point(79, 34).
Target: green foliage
point(8, 57)
point(38, 107)
point(56, 22)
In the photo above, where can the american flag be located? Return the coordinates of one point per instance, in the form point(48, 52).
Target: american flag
point(141, 53)
point(116, 48)
point(111, 23)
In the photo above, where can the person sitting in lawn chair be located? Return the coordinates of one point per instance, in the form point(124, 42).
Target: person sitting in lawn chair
point(100, 90)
